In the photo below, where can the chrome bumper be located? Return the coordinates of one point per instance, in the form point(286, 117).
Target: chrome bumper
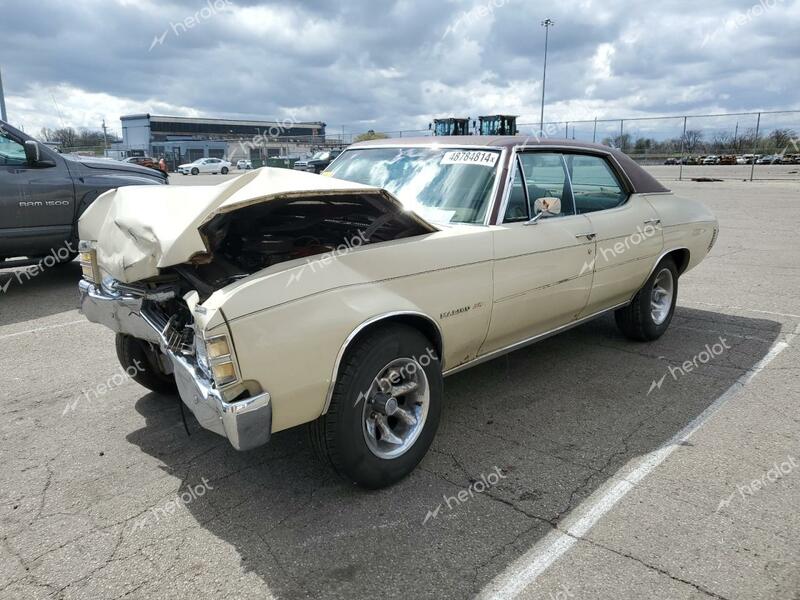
point(246, 423)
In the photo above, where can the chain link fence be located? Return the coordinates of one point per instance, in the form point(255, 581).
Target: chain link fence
point(753, 145)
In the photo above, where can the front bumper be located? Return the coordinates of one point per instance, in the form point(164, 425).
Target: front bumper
point(246, 423)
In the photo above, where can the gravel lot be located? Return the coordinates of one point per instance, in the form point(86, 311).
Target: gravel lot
point(105, 496)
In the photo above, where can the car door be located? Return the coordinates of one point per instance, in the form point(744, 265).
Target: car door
point(542, 271)
point(626, 227)
point(34, 196)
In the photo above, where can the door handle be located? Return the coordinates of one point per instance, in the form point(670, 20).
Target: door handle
point(653, 222)
point(588, 236)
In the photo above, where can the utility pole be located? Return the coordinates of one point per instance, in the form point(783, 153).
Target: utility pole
point(547, 23)
point(105, 136)
point(2, 100)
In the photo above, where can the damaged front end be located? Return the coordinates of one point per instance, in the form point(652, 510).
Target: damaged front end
point(151, 263)
point(203, 363)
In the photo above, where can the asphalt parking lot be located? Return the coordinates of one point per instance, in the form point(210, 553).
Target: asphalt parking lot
point(619, 472)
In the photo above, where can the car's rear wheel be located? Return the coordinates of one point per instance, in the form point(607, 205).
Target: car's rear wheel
point(385, 408)
point(143, 363)
point(195, 171)
point(647, 317)
point(224, 170)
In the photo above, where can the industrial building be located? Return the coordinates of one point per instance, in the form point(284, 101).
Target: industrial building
point(185, 139)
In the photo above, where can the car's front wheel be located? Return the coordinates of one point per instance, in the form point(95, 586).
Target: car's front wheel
point(143, 363)
point(647, 317)
point(385, 408)
point(224, 170)
point(195, 171)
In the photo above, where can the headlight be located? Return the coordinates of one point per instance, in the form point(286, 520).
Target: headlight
point(215, 358)
point(218, 347)
point(224, 373)
point(89, 267)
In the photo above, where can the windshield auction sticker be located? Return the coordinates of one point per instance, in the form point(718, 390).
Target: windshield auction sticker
point(470, 157)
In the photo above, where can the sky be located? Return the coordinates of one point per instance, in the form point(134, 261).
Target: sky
point(394, 64)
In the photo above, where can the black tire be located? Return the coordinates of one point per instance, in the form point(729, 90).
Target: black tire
point(139, 360)
point(338, 436)
point(224, 170)
point(195, 171)
point(636, 320)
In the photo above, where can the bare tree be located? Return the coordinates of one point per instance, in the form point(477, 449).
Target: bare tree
point(66, 136)
point(782, 138)
point(692, 140)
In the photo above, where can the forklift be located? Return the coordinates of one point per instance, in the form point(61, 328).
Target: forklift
point(450, 126)
point(498, 125)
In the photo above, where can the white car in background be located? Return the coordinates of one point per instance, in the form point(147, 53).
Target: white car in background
point(205, 165)
point(244, 164)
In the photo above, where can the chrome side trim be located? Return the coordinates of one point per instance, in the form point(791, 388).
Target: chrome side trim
point(517, 345)
point(359, 329)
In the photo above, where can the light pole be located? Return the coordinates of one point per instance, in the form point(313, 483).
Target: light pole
point(2, 101)
point(547, 23)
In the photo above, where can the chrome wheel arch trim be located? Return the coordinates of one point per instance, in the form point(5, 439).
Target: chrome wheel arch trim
point(658, 262)
point(364, 325)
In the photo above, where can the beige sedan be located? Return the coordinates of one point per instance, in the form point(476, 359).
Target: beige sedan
point(341, 300)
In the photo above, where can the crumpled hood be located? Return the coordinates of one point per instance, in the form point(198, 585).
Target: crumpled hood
point(138, 230)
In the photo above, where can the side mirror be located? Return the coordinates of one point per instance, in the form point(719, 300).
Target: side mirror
point(32, 152)
point(545, 207)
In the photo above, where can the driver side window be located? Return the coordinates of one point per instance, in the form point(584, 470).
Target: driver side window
point(11, 151)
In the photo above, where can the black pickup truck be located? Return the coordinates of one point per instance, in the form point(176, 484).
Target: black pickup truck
point(43, 193)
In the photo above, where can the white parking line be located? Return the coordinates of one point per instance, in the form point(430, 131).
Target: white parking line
point(38, 329)
point(544, 553)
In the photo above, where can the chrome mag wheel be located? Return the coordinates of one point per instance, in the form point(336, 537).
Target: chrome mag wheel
point(661, 297)
point(395, 408)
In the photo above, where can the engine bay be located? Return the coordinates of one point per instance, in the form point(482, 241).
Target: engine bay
point(252, 238)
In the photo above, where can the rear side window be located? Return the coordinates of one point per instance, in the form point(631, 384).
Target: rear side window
point(594, 185)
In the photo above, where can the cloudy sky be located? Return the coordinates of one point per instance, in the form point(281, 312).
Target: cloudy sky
point(391, 65)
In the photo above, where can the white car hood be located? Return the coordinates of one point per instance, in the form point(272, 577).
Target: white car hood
point(138, 230)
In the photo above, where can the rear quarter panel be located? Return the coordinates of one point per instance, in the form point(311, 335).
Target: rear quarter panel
point(686, 223)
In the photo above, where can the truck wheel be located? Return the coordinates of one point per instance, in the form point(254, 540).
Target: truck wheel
point(648, 316)
point(385, 408)
point(142, 363)
point(195, 171)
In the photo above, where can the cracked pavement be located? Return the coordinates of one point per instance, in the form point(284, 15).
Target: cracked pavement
point(84, 495)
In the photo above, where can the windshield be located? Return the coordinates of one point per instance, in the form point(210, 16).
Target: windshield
point(320, 156)
point(442, 185)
